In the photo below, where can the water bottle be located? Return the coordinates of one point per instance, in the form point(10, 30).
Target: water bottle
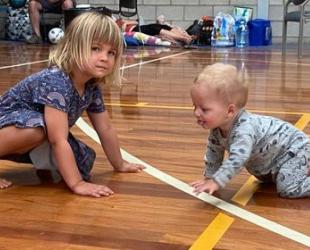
point(242, 34)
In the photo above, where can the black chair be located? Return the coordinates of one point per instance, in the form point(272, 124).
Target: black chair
point(300, 16)
point(49, 20)
point(128, 8)
point(70, 14)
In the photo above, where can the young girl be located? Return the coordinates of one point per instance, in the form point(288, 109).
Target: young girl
point(270, 149)
point(37, 113)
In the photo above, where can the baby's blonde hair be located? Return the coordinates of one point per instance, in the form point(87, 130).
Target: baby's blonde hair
point(74, 49)
point(229, 84)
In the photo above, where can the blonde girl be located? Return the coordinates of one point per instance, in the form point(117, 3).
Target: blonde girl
point(38, 112)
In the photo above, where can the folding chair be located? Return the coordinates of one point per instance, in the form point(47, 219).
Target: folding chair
point(47, 20)
point(128, 8)
point(301, 16)
point(55, 17)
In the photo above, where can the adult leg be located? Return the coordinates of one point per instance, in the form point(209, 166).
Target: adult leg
point(293, 180)
point(67, 4)
point(181, 32)
point(169, 34)
point(18, 141)
point(35, 7)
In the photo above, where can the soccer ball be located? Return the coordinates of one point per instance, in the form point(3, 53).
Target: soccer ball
point(55, 34)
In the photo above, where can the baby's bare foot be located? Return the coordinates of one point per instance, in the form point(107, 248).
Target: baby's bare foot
point(4, 183)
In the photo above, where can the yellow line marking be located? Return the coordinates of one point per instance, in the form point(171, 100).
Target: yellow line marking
point(303, 121)
point(213, 233)
point(142, 104)
point(246, 192)
point(146, 105)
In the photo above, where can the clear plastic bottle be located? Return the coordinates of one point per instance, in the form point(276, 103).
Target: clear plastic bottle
point(242, 34)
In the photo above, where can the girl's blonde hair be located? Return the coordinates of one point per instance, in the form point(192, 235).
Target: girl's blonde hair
point(74, 49)
point(230, 85)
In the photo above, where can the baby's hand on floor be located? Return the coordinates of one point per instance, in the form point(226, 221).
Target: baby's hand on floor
point(5, 184)
point(205, 185)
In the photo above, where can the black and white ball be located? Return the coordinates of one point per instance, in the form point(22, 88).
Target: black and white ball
point(55, 34)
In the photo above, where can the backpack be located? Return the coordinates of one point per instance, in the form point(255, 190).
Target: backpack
point(205, 34)
point(195, 28)
point(18, 26)
point(223, 34)
point(202, 30)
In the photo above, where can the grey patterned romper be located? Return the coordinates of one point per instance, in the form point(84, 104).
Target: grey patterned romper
point(270, 149)
point(23, 106)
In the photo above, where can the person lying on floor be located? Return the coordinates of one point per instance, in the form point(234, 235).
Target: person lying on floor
point(155, 29)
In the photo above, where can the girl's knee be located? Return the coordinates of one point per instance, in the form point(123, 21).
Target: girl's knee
point(36, 135)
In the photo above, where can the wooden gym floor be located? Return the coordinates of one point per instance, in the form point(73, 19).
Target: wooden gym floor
point(153, 115)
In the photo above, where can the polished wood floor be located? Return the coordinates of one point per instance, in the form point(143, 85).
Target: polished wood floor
point(152, 113)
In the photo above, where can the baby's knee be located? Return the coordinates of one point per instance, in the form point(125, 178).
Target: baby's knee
point(293, 189)
point(289, 194)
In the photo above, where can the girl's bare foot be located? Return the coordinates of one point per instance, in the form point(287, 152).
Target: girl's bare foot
point(4, 183)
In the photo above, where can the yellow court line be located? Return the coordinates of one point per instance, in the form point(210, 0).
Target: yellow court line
point(246, 192)
point(303, 121)
point(213, 233)
point(146, 105)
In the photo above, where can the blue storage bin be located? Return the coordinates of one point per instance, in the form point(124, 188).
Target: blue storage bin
point(260, 32)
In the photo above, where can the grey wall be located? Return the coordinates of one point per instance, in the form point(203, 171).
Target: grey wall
point(183, 12)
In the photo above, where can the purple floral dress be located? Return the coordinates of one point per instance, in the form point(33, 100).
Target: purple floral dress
point(23, 107)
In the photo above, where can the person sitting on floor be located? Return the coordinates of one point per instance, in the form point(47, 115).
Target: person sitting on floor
point(155, 29)
point(37, 6)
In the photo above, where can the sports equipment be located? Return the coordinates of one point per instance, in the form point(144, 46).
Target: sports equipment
point(55, 34)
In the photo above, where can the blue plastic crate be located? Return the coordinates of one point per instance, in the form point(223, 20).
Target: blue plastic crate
point(260, 32)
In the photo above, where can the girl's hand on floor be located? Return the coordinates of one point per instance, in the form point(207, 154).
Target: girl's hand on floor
point(91, 189)
point(5, 184)
point(128, 167)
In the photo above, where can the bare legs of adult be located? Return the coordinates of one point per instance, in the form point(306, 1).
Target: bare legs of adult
point(18, 141)
point(35, 8)
point(182, 33)
point(176, 35)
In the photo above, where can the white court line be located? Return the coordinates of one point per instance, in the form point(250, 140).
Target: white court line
point(22, 64)
point(124, 67)
point(154, 60)
point(185, 187)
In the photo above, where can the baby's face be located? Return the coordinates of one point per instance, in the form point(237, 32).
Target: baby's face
point(210, 111)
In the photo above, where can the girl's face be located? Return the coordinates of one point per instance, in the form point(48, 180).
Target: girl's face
point(211, 112)
point(102, 60)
